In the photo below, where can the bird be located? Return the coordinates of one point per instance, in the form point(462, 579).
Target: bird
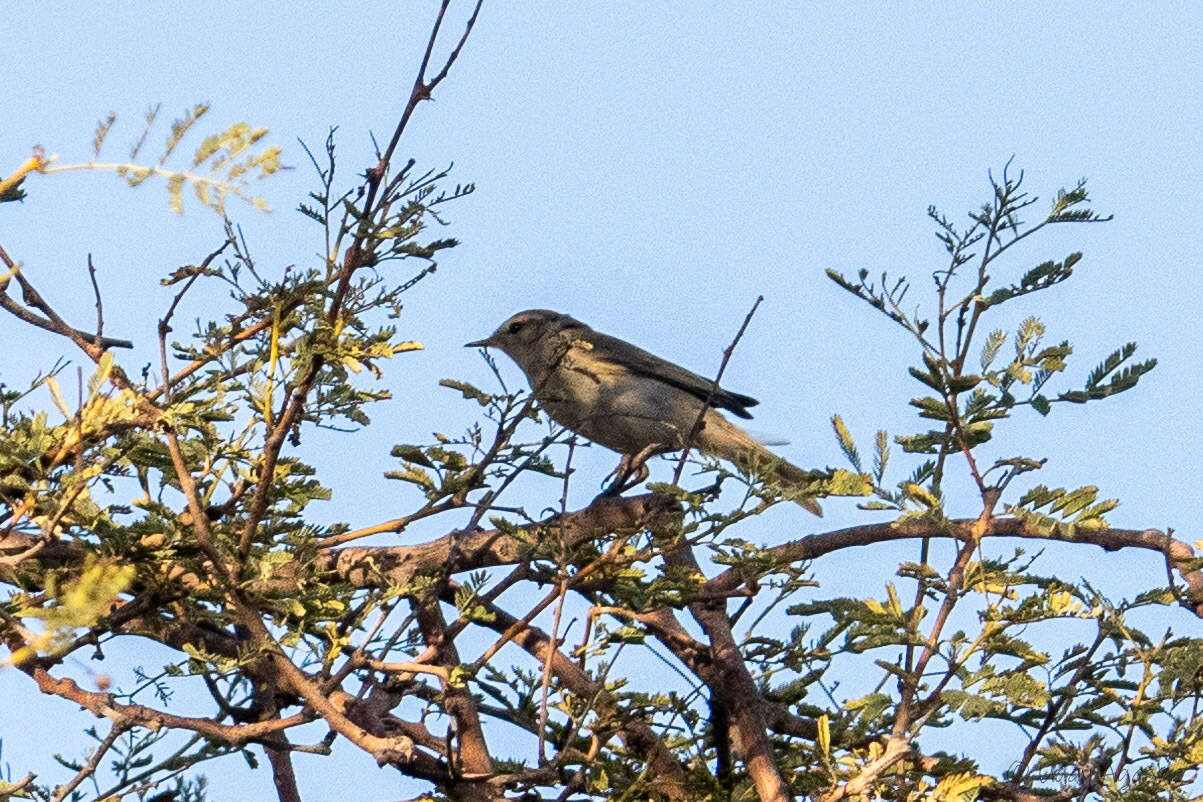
point(633, 402)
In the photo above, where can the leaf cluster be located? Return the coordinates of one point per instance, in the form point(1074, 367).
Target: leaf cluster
point(223, 165)
point(965, 401)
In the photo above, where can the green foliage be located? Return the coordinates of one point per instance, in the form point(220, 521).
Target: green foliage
point(105, 479)
point(71, 603)
point(180, 507)
point(1002, 672)
point(224, 164)
point(1041, 277)
point(1076, 509)
point(968, 405)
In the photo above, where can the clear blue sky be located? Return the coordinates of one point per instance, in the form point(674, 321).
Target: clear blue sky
point(651, 168)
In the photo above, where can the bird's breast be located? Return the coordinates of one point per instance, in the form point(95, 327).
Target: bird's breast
point(611, 406)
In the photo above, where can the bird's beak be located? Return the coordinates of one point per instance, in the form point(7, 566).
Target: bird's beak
point(485, 343)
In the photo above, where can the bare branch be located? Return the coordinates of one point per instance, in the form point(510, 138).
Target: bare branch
point(722, 368)
point(52, 322)
point(1178, 554)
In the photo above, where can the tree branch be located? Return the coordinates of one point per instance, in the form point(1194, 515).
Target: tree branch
point(370, 566)
point(103, 705)
point(1177, 554)
point(636, 734)
point(53, 323)
point(733, 690)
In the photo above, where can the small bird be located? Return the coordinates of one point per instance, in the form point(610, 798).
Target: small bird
point(633, 402)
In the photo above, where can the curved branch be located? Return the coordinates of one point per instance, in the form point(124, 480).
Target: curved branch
point(53, 322)
point(1180, 556)
point(104, 705)
point(381, 566)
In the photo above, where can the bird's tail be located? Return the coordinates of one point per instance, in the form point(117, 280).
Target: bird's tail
point(721, 438)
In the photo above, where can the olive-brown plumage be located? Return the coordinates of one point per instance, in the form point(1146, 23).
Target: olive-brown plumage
point(629, 400)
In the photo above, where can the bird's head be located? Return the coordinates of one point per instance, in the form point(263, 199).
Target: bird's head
point(526, 335)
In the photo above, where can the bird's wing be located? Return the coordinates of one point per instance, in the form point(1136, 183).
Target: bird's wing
point(642, 363)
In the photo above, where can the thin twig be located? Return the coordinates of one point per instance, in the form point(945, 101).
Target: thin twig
point(375, 175)
point(103, 704)
point(1085, 665)
point(562, 567)
point(200, 522)
point(165, 322)
point(395, 526)
point(54, 323)
point(697, 425)
point(99, 303)
point(197, 272)
point(19, 785)
point(293, 405)
point(422, 88)
point(89, 768)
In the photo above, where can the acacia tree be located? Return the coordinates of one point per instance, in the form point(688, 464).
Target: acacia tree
point(174, 506)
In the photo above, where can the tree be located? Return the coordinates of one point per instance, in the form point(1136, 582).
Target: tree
point(175, 506)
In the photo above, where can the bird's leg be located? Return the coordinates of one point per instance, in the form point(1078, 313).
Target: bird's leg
point(632, 469)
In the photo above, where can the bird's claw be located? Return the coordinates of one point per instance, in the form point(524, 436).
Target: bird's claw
point(632, 470)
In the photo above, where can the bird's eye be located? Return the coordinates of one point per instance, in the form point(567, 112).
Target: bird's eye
point(515, 327)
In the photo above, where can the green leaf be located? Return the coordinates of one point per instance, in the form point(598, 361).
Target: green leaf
point(1124, 380)
point(920, 494)
point(1020, 465)
point(1041, 404)
point(1096, 512)
point(628, 634)
point(844, 483)
point(963, 384)
point(1062, 211)
point(104, 367)
point(1038, 496)
point(411, 453)
point(824, 736)
point(990, 349)
point(13, 192)
point(928, 443)
point(881, 454)
point(845, 440)
point(1109, 364)
point(876, 505)
point(1041, 277)
point(930, 379)
point(934, 363)
point(415, 476)
point(1071, 503)
point(56, 395)
point(933, 408)
point(1030, 332)
point(469, 391)
point(1052, 359)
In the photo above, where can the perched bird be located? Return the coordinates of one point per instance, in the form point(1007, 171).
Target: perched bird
point(633, 402)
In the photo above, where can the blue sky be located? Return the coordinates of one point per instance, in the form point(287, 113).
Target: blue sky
point(651, 168)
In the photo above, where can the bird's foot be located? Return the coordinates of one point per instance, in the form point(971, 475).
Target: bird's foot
point(631, 470)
